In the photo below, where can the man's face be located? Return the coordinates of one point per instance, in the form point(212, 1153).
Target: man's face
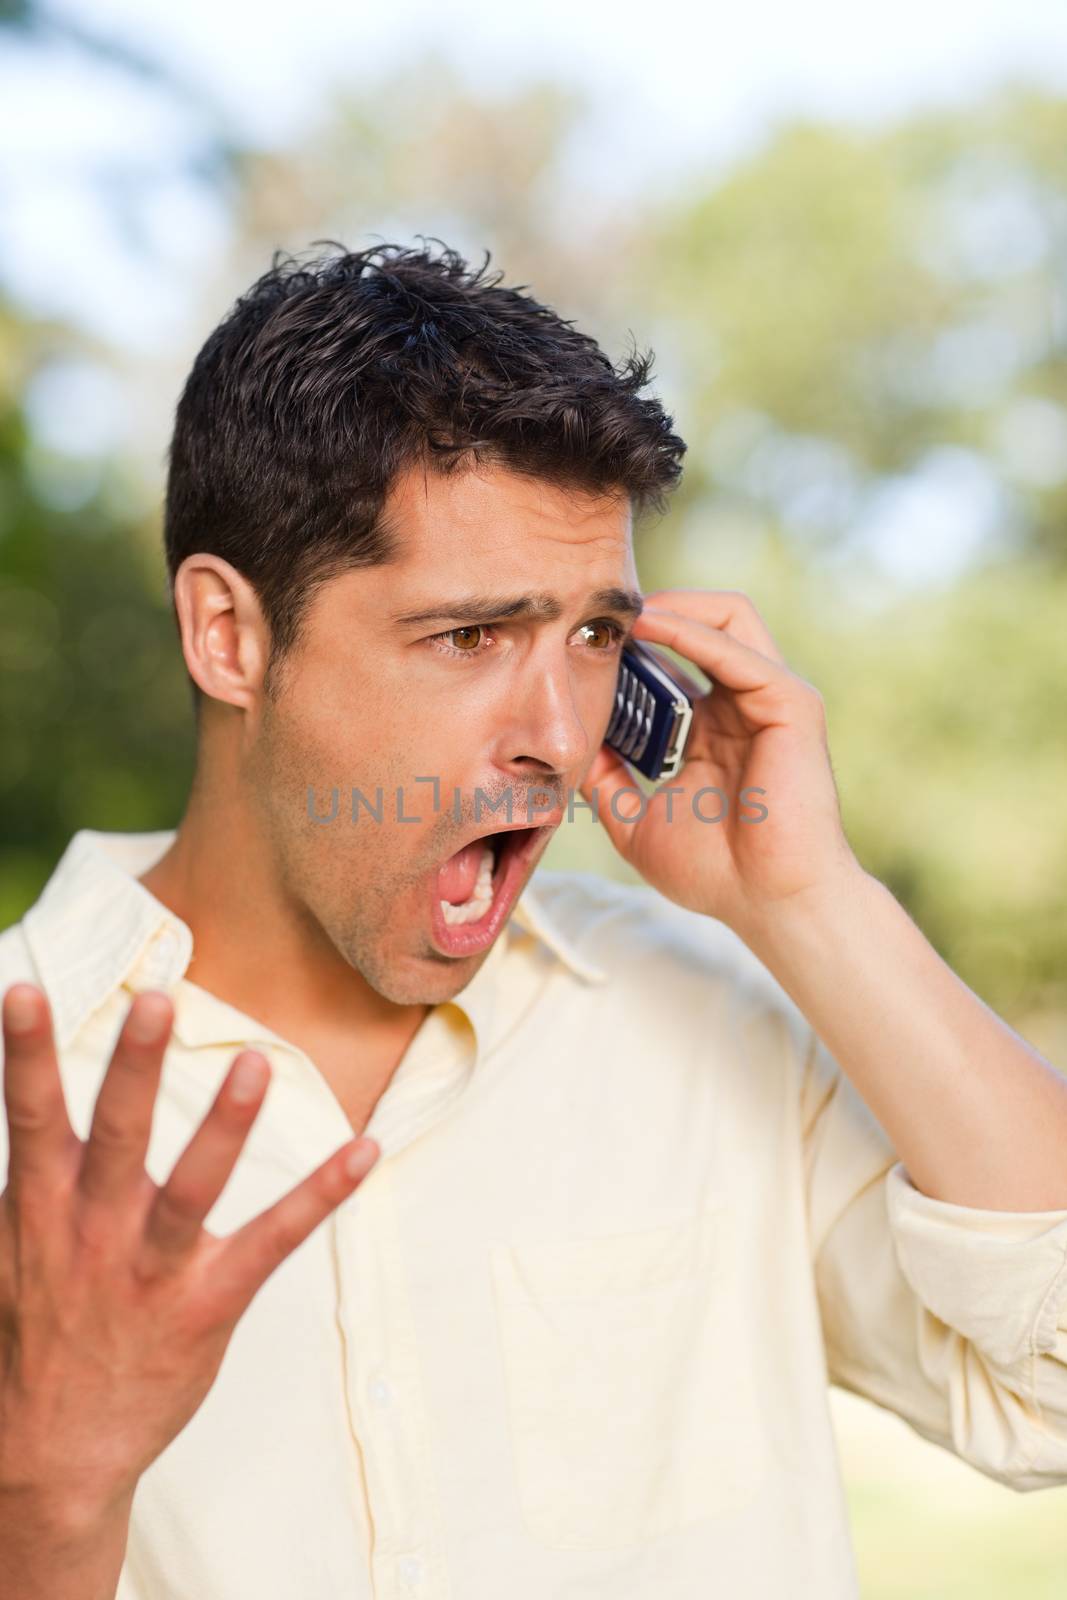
point(400, 675)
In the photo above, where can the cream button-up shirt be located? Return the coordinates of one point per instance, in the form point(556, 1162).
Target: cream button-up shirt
point(572, 1336)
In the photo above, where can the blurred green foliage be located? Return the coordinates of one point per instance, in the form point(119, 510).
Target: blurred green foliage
point(908, 1549)
point(94, 713)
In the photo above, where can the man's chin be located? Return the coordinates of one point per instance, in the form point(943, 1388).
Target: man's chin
point(427, 977)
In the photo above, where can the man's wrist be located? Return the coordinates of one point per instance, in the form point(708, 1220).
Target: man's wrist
point(828, 912)
point(60, 1545)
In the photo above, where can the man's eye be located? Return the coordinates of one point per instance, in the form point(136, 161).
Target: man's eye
point(463, 641)
point(610, 633)
point(466, 638)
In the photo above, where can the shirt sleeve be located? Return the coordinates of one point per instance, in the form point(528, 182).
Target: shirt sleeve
point(951, 1316)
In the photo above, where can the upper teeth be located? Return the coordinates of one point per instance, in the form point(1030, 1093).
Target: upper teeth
point(481, 895)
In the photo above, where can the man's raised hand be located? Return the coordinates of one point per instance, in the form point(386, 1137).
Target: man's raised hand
point(116, 1304)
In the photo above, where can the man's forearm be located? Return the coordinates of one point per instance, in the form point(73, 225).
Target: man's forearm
point(977, 1116)
point(57, 1553)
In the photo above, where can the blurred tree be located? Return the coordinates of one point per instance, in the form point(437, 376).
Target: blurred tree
point(846, 303)
point(94, 713)
point(208, 155)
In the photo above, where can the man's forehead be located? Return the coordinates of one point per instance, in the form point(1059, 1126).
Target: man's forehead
point(489, 504)
point(534, 547)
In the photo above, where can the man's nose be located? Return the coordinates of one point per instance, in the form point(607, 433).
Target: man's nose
point(543, 732)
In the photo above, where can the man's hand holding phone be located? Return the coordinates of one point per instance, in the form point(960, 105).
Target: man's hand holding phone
point(116, 1305)
point(756, 752)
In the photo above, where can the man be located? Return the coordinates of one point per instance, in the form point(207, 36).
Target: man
point(528, 1273)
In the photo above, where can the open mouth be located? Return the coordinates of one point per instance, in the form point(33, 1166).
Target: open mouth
point(472, 892)
point(469, 881)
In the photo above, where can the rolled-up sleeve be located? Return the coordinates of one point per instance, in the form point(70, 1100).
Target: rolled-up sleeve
point(951, 1316)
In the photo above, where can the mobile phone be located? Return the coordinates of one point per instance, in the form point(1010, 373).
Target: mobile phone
point(652, 716)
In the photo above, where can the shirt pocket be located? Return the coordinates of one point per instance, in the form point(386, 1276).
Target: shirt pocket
point(629, 1382)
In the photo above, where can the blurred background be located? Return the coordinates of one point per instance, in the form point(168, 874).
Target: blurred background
point(844, 237)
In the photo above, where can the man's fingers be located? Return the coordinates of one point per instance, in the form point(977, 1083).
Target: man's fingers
point(201, 1171)
point(40, 1135)
point(722, 608)
point(113, 1163)
point(765, 689)
point(252, 1253)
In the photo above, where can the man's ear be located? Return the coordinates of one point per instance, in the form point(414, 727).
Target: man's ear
point(224, 634)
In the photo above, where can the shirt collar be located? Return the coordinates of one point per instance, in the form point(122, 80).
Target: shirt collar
point(533, 913)
point(94, 922)
point(95, 927)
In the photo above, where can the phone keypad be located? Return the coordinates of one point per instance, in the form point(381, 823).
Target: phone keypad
point(630, 727)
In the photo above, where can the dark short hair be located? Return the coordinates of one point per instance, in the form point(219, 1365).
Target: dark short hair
point(330, 376)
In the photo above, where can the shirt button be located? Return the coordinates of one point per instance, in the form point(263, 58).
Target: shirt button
point(167, 946)
point(380, 1392)
point(410, 1568)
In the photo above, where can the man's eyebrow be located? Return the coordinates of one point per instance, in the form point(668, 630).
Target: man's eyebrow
point(483, 608)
